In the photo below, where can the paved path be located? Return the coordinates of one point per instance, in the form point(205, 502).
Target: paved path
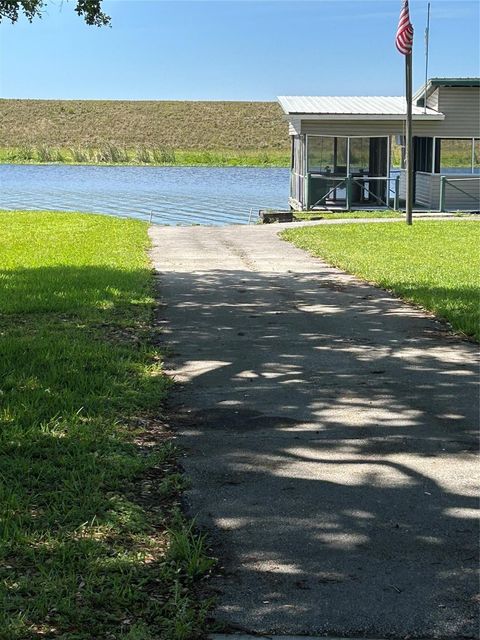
point(329, 431)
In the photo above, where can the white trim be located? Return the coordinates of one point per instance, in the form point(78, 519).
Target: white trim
point(460, 177)
point(393, 117)
point(389, 162)
point(456, 137)
point(304, 194)
point(295, 124)
point(326, 135)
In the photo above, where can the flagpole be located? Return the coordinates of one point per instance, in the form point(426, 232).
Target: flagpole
point(427, 40)
point(404, 43)
point(408, 141)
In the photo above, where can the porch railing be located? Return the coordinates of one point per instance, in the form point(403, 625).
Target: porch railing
point(390, 192)
point(366, 185)
point(446, 181)
point(329, 188)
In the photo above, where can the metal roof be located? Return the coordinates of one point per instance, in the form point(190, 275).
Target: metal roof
point(325, 106)
point(434, 83)
point(455, 82)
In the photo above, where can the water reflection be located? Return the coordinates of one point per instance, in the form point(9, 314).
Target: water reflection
point(175, 195)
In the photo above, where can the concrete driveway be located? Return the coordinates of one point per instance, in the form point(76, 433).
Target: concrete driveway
point(330, 438)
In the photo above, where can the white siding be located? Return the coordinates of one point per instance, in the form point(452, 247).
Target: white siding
point(427, 189)
point(461, 107)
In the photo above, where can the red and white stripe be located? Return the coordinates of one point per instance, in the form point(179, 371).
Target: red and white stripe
point(404, 37)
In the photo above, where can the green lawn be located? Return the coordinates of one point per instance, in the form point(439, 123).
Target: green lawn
point(341, 215)
point(92, 544)
point(435, 264)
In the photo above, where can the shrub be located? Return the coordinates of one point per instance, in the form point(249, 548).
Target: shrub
point(143, 155)
point(79, 154)
point(22, 154)
point(163, 156)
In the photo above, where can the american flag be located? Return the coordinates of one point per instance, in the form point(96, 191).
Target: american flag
point(404, 37)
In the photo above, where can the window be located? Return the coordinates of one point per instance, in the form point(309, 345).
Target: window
point(458, 155)
point(327, 154)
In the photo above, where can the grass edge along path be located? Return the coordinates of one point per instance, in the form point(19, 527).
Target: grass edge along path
point(92, 540)
point(433, 264)
point(342, 215)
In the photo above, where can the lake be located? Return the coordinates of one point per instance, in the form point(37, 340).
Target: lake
point(175, 195)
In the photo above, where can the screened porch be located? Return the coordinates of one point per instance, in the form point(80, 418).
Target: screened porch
point(341, 172)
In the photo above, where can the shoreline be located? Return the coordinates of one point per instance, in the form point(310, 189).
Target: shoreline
point(112, 155)
point(244, 165)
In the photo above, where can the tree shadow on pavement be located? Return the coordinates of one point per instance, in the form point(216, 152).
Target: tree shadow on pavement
point(330, 437)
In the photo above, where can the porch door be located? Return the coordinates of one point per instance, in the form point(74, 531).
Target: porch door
point(368, 162)
point(327, 170)
point(378, 168)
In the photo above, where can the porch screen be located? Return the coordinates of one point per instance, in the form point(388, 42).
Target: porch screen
point(327, 155)
point(359, 155)
point(456, 155)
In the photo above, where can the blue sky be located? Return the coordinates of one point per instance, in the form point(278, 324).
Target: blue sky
point(232, 49)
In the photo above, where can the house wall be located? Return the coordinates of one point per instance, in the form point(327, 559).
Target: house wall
point(461, 106)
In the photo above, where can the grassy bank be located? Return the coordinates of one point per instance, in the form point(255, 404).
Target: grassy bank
point(179, 133)
point(115, 155)
point(201, 126)
point(92, 544)
point(433, 264)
